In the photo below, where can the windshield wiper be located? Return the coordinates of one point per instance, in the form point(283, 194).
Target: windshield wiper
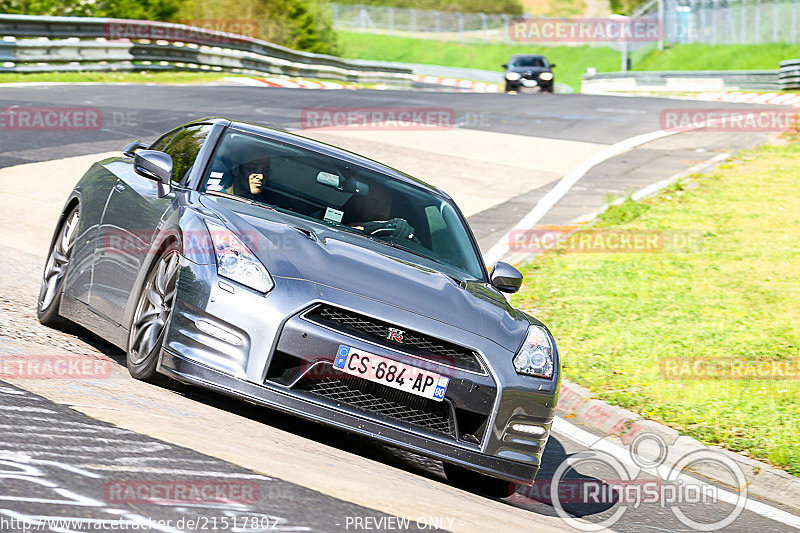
point(399, 247)
point(240, 199)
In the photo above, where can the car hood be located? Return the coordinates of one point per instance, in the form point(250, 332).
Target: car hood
point(291, 247)
point(526, 70)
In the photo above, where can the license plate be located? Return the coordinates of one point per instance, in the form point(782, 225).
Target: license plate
point(529, 83)
point(391, 373)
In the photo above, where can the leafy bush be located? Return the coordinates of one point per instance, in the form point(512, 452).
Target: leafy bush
point(510, 7)
point(134, 9)
point(301, 24)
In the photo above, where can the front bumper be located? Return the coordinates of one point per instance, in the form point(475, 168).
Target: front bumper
point(280, 347)
point(529, 83)
point(194, 373)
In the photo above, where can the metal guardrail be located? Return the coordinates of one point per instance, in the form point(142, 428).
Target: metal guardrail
point(680, 81)
point(41, 44)
point(789, 74)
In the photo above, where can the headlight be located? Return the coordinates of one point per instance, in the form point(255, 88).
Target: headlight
point(535, 358)
point(513, 76)
point(546, 76)
point(236, 262)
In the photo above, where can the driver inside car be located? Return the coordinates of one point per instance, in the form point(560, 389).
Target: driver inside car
point(370, 213)
point(249, 179)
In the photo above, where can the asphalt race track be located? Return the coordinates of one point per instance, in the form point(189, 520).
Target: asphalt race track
point(66, 446)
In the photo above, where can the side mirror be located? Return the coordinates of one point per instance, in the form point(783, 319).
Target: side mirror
point(156, 166)
point(131, 147)
point(506, 278)
point(504, 65)
point(552, 65)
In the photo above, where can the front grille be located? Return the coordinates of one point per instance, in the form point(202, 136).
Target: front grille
point(418, 344)
point(383, 401)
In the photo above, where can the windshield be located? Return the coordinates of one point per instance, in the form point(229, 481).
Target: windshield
point(529, 61)
point(333, 192)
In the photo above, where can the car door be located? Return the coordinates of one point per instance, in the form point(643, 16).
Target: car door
point(132, 218)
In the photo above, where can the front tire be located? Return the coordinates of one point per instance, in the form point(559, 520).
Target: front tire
point(54, 272)
point(151, 316)
point(475, 482)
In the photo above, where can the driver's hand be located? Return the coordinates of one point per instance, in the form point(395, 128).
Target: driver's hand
point(396, 228)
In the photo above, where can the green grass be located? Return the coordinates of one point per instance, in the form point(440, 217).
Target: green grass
point(615, 316)
point(112, 77)
point(571, 61)
point(719, 57)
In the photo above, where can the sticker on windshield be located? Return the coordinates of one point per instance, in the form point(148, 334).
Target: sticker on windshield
point(333, 215)
point(214, 182)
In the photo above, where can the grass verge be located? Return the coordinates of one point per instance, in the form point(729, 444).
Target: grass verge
point(617, 315)
point(571, 61)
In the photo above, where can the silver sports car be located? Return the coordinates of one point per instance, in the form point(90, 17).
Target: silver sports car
point(305, 278)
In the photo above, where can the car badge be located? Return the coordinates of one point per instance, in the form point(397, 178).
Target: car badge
point(395, 335)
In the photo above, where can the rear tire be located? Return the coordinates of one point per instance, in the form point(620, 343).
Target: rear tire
point(151, 316)
point(55, 271)
point(480, 483)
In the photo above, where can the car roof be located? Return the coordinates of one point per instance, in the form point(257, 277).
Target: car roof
point(325, 149)
point(528, 55)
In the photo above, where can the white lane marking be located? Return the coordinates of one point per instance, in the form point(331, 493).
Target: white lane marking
point(657, 186)
point(67, 456)
point(97, 429)
point(22, 460)
point(13, 392)
point(139, 461)
point(588, 440)
point(563, 186)
point(653, 188)
point(137, 447)
point(70, 497)
point(56, 421)
point(25, 409)
point(93, 438)
point(172, 471)
point(549, 200)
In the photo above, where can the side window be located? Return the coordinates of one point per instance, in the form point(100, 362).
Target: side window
point(163, 141)
point(184, 147)
point(441, 238)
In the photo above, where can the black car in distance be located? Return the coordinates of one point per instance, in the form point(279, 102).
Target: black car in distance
point(529, 71)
